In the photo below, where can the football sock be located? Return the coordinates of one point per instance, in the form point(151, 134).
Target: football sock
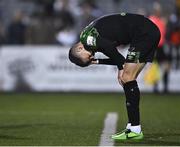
point(128, 125)
point(136, 129)
point(132, 94)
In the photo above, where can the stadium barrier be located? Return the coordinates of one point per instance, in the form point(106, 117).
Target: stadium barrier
point(47, 68)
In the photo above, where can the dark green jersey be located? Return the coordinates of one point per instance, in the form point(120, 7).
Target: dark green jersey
point(108, 32)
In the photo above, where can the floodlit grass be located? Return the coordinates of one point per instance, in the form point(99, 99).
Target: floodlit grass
point(77, 119)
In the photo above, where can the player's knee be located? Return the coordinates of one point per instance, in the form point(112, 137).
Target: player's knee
point(119, 78)
point(127, 76)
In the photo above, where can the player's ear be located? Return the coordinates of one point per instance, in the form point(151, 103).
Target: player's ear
point(79, 48)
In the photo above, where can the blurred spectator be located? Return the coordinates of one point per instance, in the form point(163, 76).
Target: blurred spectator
point(61, 9)
point(53, 26)
point(16, 31)
point(65, 23)
point(89, 12)
point(46, 7)
point(163, 56)
point(66, 37)
point(173, 36)
point(142, 11)
point(2, 34)
point(41, 30)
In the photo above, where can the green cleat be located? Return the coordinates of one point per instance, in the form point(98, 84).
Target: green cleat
point(127, 135)
point(125, 130)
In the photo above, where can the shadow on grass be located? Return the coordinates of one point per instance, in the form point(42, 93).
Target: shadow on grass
point(12, 137)
point(155, 139)
point(19, 126)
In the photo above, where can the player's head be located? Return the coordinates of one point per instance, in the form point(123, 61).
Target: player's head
point(80, 56)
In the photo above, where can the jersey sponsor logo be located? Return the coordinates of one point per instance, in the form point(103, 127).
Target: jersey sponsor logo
point(133, 56)
point(123, 14)
point(91, 41)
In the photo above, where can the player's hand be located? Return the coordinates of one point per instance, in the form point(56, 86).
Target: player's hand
point(94, 61)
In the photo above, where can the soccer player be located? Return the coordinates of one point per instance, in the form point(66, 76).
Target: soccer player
point(104, 35)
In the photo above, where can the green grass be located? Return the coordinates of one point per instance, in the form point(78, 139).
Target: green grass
point(77, 119)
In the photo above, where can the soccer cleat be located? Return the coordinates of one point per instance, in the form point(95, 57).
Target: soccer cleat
point(127, 135)
point(119, 133)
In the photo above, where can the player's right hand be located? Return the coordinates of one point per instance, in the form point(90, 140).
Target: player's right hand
point(94, 62)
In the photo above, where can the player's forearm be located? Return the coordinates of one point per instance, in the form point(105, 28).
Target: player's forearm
point(92, 41)
point(106, 61)
point(109, 49)
point(109, 62)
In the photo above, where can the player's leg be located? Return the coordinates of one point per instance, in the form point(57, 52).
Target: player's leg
point(132, 93)
point(141, 51)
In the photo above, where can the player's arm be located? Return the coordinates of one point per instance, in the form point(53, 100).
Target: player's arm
point(106, 62)
point(89, 37)
point(93, 41)
point(109, 49)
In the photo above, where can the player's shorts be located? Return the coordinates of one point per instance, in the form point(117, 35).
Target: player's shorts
point(144, 43)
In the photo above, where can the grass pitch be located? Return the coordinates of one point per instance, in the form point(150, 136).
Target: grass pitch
point(77, 119)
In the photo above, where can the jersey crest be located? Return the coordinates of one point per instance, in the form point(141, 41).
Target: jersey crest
point(123, 14)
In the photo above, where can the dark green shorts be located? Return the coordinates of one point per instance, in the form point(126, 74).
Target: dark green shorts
point(143, 46)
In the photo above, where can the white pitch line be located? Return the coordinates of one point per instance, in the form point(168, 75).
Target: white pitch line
point(110, 124)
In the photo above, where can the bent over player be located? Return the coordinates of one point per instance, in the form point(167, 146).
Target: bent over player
point(104, 35)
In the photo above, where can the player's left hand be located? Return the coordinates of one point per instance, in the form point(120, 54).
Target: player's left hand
point(94, 61)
